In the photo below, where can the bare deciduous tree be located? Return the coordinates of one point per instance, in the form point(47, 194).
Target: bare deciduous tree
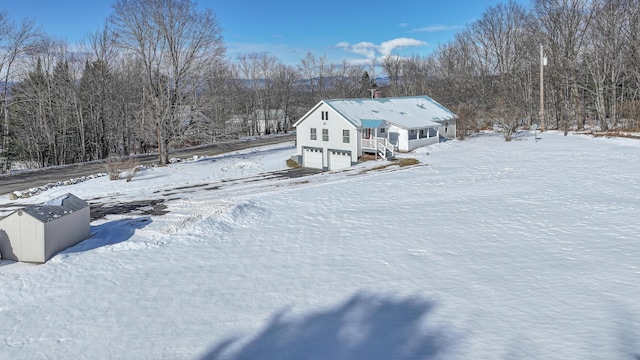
point(392, 66)
point(564, 25)
point(500, 37)
point(603, 59)
point(156, 77)
point(175, 43)
point(15, 41)
point(285, 80)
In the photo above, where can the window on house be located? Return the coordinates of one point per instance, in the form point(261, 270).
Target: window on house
point(345, 136)
point(325, 134)
point(382, 130)
point(314, 135)
point(325, 115)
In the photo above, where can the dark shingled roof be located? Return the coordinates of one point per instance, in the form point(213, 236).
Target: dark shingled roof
point(56, 208)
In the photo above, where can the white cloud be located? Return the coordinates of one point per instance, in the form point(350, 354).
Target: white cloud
point(371, 50)
point(364, 48)
point(387, 47)
point(364, 53)
point(436, 28)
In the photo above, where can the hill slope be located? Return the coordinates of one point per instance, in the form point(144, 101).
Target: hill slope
point(495, 249)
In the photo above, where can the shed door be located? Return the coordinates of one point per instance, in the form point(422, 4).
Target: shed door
point(312, 158)
point(339, 159)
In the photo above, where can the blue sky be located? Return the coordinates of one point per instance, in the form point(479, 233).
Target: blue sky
point(355, 31)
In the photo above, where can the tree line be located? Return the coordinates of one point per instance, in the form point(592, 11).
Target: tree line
point(157, 77)
point(492, 69)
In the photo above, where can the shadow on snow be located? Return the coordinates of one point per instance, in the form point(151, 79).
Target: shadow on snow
point(365, 327)
point(110, 233)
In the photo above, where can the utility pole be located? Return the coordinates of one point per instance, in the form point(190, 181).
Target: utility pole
point(543, 61)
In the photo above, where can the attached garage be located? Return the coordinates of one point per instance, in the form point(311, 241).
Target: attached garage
point(335, 133)
point(36, 233)
point(312, 158)
point(339, 159)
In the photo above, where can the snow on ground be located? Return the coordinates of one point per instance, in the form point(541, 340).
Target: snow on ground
point(495, 250)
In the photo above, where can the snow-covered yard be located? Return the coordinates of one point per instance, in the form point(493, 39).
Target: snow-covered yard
point(493, 250)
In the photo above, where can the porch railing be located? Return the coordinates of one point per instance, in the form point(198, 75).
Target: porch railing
point(382, 146)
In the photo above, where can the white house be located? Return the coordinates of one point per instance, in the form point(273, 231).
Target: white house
point(335, 133)
point(260, 122)
point(36, 233)
point(270, 121)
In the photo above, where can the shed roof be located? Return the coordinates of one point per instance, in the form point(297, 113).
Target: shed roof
point(56, 208)
point(409, 112)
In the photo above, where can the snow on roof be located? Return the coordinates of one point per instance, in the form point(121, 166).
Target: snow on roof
point(409, 112)
point(56, 208)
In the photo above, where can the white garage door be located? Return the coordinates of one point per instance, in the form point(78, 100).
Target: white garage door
point(339, 159)
point(312, 158)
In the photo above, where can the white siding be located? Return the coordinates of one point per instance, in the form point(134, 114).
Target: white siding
point(414, 144)
point(9, 229)
point(24, 234)
point(25, 238)
point(66, 232)
point(448, 128)
point(38, 241)
point(334, 124)
point(402, 137)
point(407, 141)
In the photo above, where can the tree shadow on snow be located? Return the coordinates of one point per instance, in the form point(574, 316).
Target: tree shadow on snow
point(365, 327)
point(110, 233)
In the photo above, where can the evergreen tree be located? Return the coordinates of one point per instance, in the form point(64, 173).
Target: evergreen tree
point(367, 85)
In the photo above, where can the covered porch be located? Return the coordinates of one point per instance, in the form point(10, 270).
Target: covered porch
point(424, 133)
point(413, 138)
point(375, 139)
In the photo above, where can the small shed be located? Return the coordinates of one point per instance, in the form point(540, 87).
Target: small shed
point(36, 233)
